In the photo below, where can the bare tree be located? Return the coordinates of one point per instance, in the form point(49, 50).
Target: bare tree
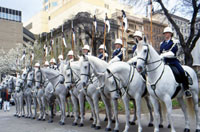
point(191, 7)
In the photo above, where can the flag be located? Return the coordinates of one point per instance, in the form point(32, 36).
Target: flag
point(46, 51)
point(125, 21)
point(107, 23)
point(23, 56)
point(73, 33)
point(32, 56)
point(95, 24)
point(63, 37)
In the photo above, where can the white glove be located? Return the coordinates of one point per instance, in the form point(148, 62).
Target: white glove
point(132, 60)
point(169, 54)
point(115, 59)
point(123, 49)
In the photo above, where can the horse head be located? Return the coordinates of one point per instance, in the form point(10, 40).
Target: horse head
point(30, 78)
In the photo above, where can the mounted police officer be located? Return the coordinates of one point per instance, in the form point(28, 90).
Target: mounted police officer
point(118, 52)
point(86, 50)
point(60, 58)
point(46, 64)
point(53, 64)
point(101, 50)
point(168, 50)
point(137, 35)
point(70, 56)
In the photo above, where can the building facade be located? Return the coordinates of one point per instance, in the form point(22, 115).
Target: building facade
point(11, 29)
point(56, 12)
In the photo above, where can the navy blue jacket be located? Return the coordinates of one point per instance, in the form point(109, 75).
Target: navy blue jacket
point(134, 48)
point(101, 56)
point(118, 53)
point(170, 46)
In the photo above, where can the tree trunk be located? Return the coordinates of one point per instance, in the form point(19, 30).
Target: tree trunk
point(188, 58)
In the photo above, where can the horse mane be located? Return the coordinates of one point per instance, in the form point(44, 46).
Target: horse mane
point(50, 71)
point(118, 66)
point(97, 63)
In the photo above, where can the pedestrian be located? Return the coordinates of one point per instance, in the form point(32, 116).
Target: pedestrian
point(6, 99)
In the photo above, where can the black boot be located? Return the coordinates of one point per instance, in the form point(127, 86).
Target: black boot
point(188, 94)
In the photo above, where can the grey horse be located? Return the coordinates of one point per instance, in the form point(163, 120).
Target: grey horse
point(57, 81)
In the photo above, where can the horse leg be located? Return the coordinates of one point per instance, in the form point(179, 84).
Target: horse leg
point(68, 110)
point(62, 102)
point(156, 113)
point(134, 116)
point(161, 116)
point(126, 104)
point(81, 98)
point(115, 104)
point(30, 109)
point(40, 107)
point(15, 100)
point(34, 107)
point(108, 111)
point(43, 109)
point(72, 112)
point(75, 108)
point(183, 107)
point(168, 103)
point(150, 111)
point(138, 104)
point(96, 106)
point(92, 110)
point(196, 109)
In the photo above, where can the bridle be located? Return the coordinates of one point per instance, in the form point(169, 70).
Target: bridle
point(33, 79)
point(72, 80)
point(89, 75)
point(149, 63)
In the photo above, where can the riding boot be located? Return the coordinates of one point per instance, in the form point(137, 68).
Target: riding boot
point(188, 94)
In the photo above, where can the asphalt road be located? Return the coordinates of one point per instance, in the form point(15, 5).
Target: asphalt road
point(9, 123)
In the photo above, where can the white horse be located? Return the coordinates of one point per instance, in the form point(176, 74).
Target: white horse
point(27, 92)
point(124, 81)
point(31, 85)
point(162, 85)
point(57, 80)
point(19, 96)
point(92, 65)
point(71, 71)
point(11, 90)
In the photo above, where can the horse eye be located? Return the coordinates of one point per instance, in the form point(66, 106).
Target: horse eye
point(85, 67)
point(68, 75)
point(145, 51)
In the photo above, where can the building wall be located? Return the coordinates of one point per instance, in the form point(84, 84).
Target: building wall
point(11, 33)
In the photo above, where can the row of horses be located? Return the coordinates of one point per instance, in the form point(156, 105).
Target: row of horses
point(92, 79)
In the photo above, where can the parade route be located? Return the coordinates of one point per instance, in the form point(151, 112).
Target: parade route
point(9, 123)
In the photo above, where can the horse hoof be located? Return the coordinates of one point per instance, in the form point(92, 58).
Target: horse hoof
point(106, 119)
point(197, 130)
point(150, 125)
point(81, 125)
point(169, 126)
point(79, 117)
point(50, 121)
point(97, 127)
point(33, 118)
point(68, 115)
point(15, 115)
point(161, 126)
point(115, 131)
point(74, 124)
point(29, 117)
point(22, 115)
point(19, 116)
point(43, 119)
point(113, 121)
point(72, 116)
point(39, 119)
point(61, 123)
point(108, 129)
point(91, 119)
point(132, 123)
point(93, 125)
point(186, 130)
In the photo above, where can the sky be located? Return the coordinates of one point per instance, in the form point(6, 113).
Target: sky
point(28, 7)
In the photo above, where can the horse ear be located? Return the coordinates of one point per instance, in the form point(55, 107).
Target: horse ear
point(136, 41)
point(145, 39)
point(108, 71)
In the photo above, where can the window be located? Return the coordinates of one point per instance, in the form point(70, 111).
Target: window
point(45, 1)
point(53, 4)
point(46, 7)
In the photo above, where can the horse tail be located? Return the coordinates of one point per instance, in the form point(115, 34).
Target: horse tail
point(162, 110)
point(190, 107)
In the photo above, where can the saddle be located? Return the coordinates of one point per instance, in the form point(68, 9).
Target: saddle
point(178, 79)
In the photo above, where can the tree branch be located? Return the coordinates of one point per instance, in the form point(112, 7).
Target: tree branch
point(182, 42)
point(195, 41)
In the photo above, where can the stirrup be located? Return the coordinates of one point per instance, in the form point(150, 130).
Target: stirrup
point(188, 94)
